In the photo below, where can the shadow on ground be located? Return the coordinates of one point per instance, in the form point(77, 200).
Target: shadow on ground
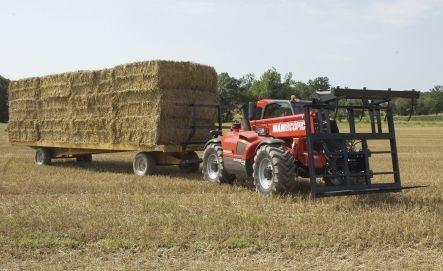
point(300, 188)
point(111, 166)
point(123, 167)
point(396, 199)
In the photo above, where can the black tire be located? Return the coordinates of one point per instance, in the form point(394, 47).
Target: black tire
point(87, 158)
point(42, 156)
point(192, 167)
point(213, 169)
point(144, 164)
point(273, 170)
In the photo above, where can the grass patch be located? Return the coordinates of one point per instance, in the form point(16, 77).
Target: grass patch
point(34, 242)
point(237, 242)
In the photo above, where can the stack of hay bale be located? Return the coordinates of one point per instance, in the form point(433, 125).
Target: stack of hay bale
point(129, 105)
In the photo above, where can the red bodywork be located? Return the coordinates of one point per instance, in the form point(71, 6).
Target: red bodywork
point(242, 145)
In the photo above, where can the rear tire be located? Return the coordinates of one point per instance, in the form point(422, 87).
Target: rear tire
point(143, 164)
point(87, 158)
point(42, 156)
point(192, 167)
point(273, 170)
point(213, 169)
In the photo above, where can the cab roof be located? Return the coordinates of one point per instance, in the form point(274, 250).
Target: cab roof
point(261, 103)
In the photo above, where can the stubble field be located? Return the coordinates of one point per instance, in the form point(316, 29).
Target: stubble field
point(100, 216)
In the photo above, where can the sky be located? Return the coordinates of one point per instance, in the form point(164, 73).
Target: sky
point(378, 44)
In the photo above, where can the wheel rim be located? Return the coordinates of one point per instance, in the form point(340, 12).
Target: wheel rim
point(212, 167)
point(265, 171)
point(140, 166)
point(39, 157)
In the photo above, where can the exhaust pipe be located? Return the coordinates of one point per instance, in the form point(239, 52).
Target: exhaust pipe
point(248, 115)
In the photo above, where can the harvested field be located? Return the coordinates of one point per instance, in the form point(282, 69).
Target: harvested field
point(102, 217)
point(131, 105)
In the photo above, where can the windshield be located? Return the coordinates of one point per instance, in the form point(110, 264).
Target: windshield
point(298, 107)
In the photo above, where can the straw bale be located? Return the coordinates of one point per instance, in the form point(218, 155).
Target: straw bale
point(23, 131)
point(132, 104)
point(54, 86)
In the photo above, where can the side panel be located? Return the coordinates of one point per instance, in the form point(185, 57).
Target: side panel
point(239, 151)
point(283, 127)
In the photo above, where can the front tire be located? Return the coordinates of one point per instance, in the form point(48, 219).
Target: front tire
point(143, 164)
point(43, 156)
point(273, 170)
point(213, 168)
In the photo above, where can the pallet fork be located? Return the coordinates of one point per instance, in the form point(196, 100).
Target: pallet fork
point(373, 101)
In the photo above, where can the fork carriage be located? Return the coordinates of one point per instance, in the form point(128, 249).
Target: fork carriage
point(374, 102)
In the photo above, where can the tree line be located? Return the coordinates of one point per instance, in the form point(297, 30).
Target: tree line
point(4, 116)
point(234, 93)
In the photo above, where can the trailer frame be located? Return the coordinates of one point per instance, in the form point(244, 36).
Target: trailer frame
point(182, 154)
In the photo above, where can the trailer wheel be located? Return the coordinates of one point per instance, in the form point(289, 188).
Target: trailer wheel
point(43, 156)
point(213, 169)
point(273, 170)
point(143, 164)
point(87, 158)
point(191, 167)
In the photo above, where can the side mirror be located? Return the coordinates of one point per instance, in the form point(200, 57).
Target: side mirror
point(252, 110)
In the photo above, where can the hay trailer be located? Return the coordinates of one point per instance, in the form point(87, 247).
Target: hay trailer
point(146, 160)
point(164, 110)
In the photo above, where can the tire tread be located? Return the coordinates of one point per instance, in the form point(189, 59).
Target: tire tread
point(283, 168)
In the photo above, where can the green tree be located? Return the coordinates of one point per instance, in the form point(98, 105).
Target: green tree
point(268, 85)
point(303, 90)
point(402, 106)
point(246, 81)
point(436, 99)
point(430, 102)
point(306, 91)
point(4, 116)
point(232, 95)
point(271, 85)
point(320, 83)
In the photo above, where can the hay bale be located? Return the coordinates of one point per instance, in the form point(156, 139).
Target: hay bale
point(133, 104)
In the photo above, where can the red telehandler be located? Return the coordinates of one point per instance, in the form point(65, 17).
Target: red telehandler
point(280, 140)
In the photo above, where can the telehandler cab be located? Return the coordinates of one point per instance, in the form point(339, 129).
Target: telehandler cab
point(280, 140)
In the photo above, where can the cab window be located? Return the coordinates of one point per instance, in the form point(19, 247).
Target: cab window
point(298, 108)
point(279, 109)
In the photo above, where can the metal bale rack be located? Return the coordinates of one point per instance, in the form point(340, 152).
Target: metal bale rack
point(373, 101)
